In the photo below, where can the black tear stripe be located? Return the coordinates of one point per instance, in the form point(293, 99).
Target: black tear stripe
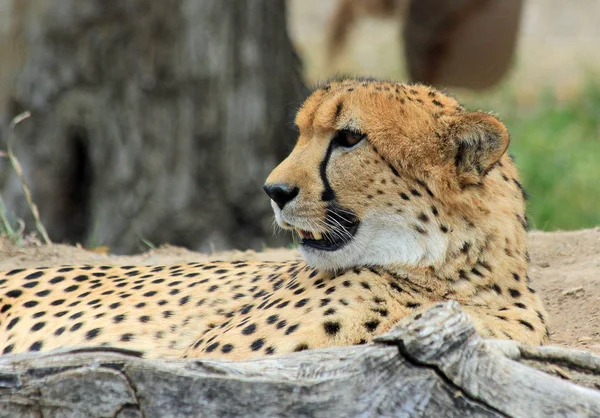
point(328, 194)
point(415, 288)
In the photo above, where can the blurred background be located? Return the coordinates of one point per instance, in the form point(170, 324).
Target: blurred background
point(157, 122)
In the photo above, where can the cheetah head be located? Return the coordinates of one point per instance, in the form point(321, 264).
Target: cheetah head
point(371, 159)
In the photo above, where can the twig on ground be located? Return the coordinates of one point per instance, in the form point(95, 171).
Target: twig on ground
point(7, 228)
point(19, 170)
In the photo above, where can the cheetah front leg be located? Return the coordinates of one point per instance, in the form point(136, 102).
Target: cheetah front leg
point(522, 324)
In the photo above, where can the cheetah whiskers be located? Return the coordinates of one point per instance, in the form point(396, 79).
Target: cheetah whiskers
point(337, 230)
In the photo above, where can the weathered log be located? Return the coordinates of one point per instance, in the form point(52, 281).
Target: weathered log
point(430, 365)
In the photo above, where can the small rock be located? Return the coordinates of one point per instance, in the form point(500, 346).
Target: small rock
point(572, 291)
point(545, 264)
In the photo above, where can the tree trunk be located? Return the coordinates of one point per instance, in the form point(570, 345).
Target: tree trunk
point(153, 120)
point(434, 366)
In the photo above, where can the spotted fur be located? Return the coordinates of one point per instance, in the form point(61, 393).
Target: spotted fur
point(437, 213)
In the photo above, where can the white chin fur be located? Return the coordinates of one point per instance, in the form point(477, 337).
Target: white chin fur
point(386, 239)
point(277, 213)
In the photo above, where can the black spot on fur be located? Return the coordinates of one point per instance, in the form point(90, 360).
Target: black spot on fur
point(32, 276)
point(476, 272)
point(420, 230)
point(36, 346)
point(119, 318)
point(381, 311)
point(371, 326)
point(93, 333)
point(291, 329)
point(331, 328)
point(329, 311)
point(523, 221)
point(526, 324)
point(257, 344)
point(338, 111)
point(521, 189)
point(250, 329)
point(212, 347)
point(14, 293)
point(38, 326)
point(301, 303)
point(541, 317)
point(301, 347)
point(396, 287)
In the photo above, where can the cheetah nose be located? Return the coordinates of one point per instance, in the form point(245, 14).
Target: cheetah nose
point(281, 193)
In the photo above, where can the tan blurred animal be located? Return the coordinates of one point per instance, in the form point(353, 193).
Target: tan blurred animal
point(461, 43)
point(348, 12)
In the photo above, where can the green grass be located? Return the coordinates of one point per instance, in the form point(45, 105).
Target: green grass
point(9, 227)
point(556, 145)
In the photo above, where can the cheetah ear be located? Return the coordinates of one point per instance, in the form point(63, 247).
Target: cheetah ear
point(478, 141)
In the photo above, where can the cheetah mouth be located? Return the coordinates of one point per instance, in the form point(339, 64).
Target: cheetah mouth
point(342, 226)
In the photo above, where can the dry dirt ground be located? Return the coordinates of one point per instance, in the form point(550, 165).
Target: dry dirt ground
point(565, 270)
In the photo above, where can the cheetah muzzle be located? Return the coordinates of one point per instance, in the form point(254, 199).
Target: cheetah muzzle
point(342, 226)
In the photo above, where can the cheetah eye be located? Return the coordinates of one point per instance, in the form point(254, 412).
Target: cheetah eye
point(348, 139)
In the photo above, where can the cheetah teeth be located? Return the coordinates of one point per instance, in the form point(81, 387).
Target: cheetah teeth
point(317, 236)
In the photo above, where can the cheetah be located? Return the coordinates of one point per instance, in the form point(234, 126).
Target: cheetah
point(401, 198)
